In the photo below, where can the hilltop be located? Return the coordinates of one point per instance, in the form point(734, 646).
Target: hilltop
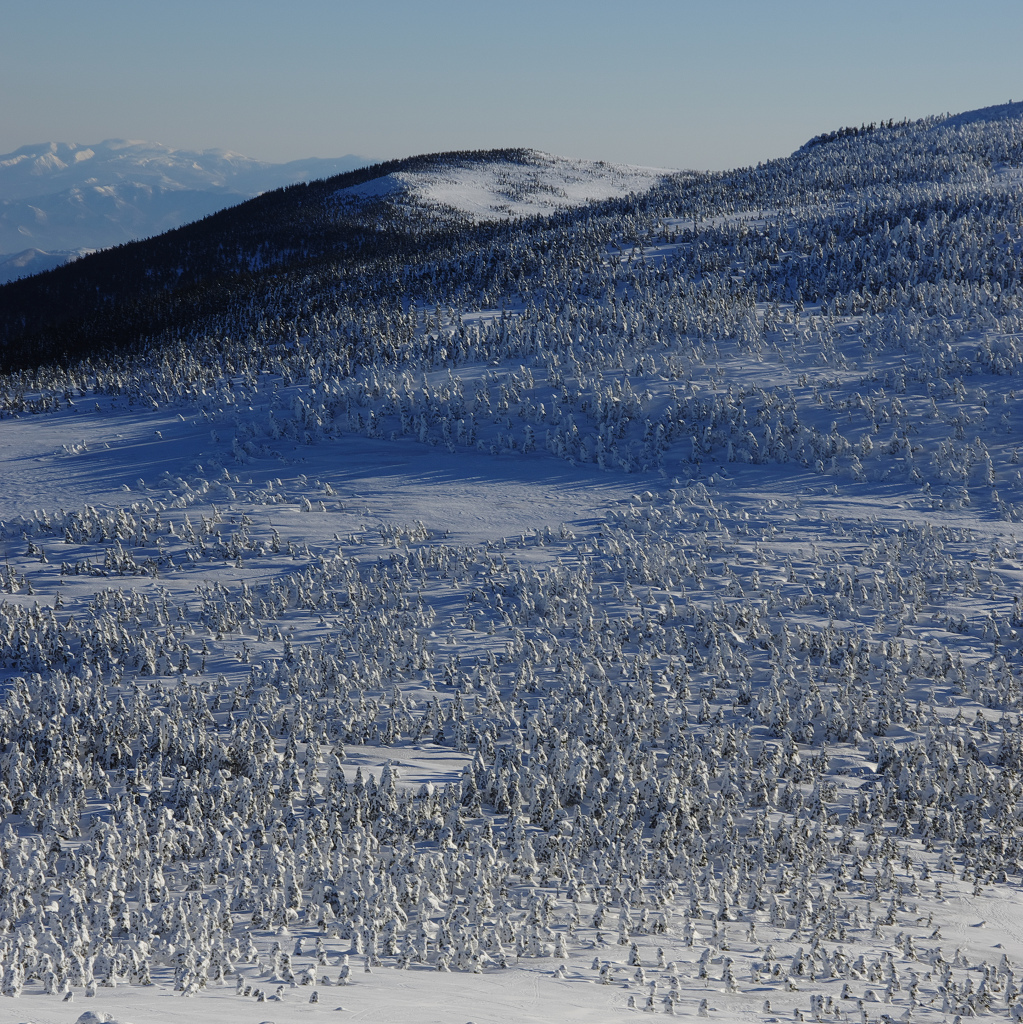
point(503, 185)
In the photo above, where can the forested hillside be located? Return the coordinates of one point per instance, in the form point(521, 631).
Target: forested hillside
point(625, 600)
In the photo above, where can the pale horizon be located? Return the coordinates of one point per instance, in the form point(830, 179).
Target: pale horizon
point(674, 84)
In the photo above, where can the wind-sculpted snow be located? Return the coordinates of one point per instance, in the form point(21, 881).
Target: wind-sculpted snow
point(612, 611)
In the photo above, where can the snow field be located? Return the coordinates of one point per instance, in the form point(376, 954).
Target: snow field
point(636, 643)
point(536, 185)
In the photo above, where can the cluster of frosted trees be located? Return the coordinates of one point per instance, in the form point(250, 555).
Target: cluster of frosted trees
point(646, 720)
point(646, 743)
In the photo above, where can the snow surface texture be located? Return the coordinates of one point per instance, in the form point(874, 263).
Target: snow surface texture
point(649, 644)
point(61, 199)
point(537, 185)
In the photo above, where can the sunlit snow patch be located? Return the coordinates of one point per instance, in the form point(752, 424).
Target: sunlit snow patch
point(494, 189)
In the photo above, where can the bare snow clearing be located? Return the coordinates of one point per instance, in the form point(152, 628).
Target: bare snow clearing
point(493, 190)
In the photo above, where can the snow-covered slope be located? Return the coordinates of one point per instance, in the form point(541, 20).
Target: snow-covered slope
point(998, 112)
point(535, 183)
point(61, 197)
point(550, 620)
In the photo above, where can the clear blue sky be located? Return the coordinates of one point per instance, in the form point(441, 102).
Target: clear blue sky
point(674, 83)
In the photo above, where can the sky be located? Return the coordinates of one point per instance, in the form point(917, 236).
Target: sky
point(713, 84)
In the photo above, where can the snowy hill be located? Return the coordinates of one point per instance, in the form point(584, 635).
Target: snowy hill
point(531, 184)
point(441, 615)
point(61, 197)
point(35, 261)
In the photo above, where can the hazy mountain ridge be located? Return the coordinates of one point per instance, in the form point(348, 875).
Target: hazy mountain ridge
point(65, 197)
point(35, 261)
point(48, 168)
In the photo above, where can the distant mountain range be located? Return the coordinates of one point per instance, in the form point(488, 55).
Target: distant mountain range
point(61, 200)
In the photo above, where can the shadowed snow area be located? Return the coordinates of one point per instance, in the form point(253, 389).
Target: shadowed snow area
point(99, 457)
